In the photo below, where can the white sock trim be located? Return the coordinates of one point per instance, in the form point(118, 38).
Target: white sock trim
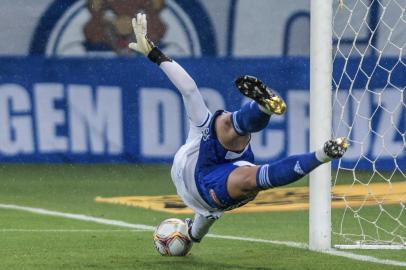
point(322, 157)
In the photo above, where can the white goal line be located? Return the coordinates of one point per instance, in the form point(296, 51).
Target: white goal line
point(144, 227)
point(371, 247)
point(69, 230)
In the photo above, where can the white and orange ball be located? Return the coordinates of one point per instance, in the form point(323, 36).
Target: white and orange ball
point(171, 238)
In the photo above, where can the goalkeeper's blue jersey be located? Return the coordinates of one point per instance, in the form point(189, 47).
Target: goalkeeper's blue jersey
point(214, 165)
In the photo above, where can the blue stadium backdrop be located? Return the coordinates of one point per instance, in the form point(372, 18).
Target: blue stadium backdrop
point(65, 97)
point(125, 109)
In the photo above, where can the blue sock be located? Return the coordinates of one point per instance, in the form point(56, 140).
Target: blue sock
point(249, 119)
point(286, 171)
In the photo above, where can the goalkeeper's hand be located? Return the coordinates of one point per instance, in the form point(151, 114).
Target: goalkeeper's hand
point(143, 44)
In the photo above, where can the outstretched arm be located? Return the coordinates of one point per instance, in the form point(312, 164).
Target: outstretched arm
point(194, 104)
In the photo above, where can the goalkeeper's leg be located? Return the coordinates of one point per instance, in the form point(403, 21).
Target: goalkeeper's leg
point(243, 181)
point(199, 227)
point(233, 130)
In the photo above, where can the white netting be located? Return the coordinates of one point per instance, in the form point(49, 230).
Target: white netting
point(369, 108)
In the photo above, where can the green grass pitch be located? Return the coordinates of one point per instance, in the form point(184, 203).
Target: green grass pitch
point(32, 241)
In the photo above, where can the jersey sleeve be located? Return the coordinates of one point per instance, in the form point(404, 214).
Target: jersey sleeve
point(179, 77)
point(195, 107)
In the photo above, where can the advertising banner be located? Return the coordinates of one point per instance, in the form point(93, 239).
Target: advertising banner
point(126, 110)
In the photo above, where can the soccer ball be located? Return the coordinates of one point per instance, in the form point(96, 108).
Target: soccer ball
point(171, 238)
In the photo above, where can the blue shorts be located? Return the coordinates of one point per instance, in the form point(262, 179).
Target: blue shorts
point(214, 165)
point(213, 188)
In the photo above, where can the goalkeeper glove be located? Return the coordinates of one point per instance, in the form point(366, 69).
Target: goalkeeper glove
point(143, 44)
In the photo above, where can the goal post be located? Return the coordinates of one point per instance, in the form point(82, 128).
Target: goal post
point(357, 91)
point(320, 121)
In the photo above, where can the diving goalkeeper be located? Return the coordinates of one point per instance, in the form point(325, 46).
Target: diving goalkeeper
point(214, 171)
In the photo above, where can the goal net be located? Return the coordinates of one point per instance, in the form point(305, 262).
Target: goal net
point(369, 108)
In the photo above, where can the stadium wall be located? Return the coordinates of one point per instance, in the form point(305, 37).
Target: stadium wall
point(126, 110)
point(67, 95)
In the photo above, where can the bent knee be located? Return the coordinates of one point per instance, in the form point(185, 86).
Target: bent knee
point(242, 181)
point(223, 122)
point(248, 177)
point(227, 136)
